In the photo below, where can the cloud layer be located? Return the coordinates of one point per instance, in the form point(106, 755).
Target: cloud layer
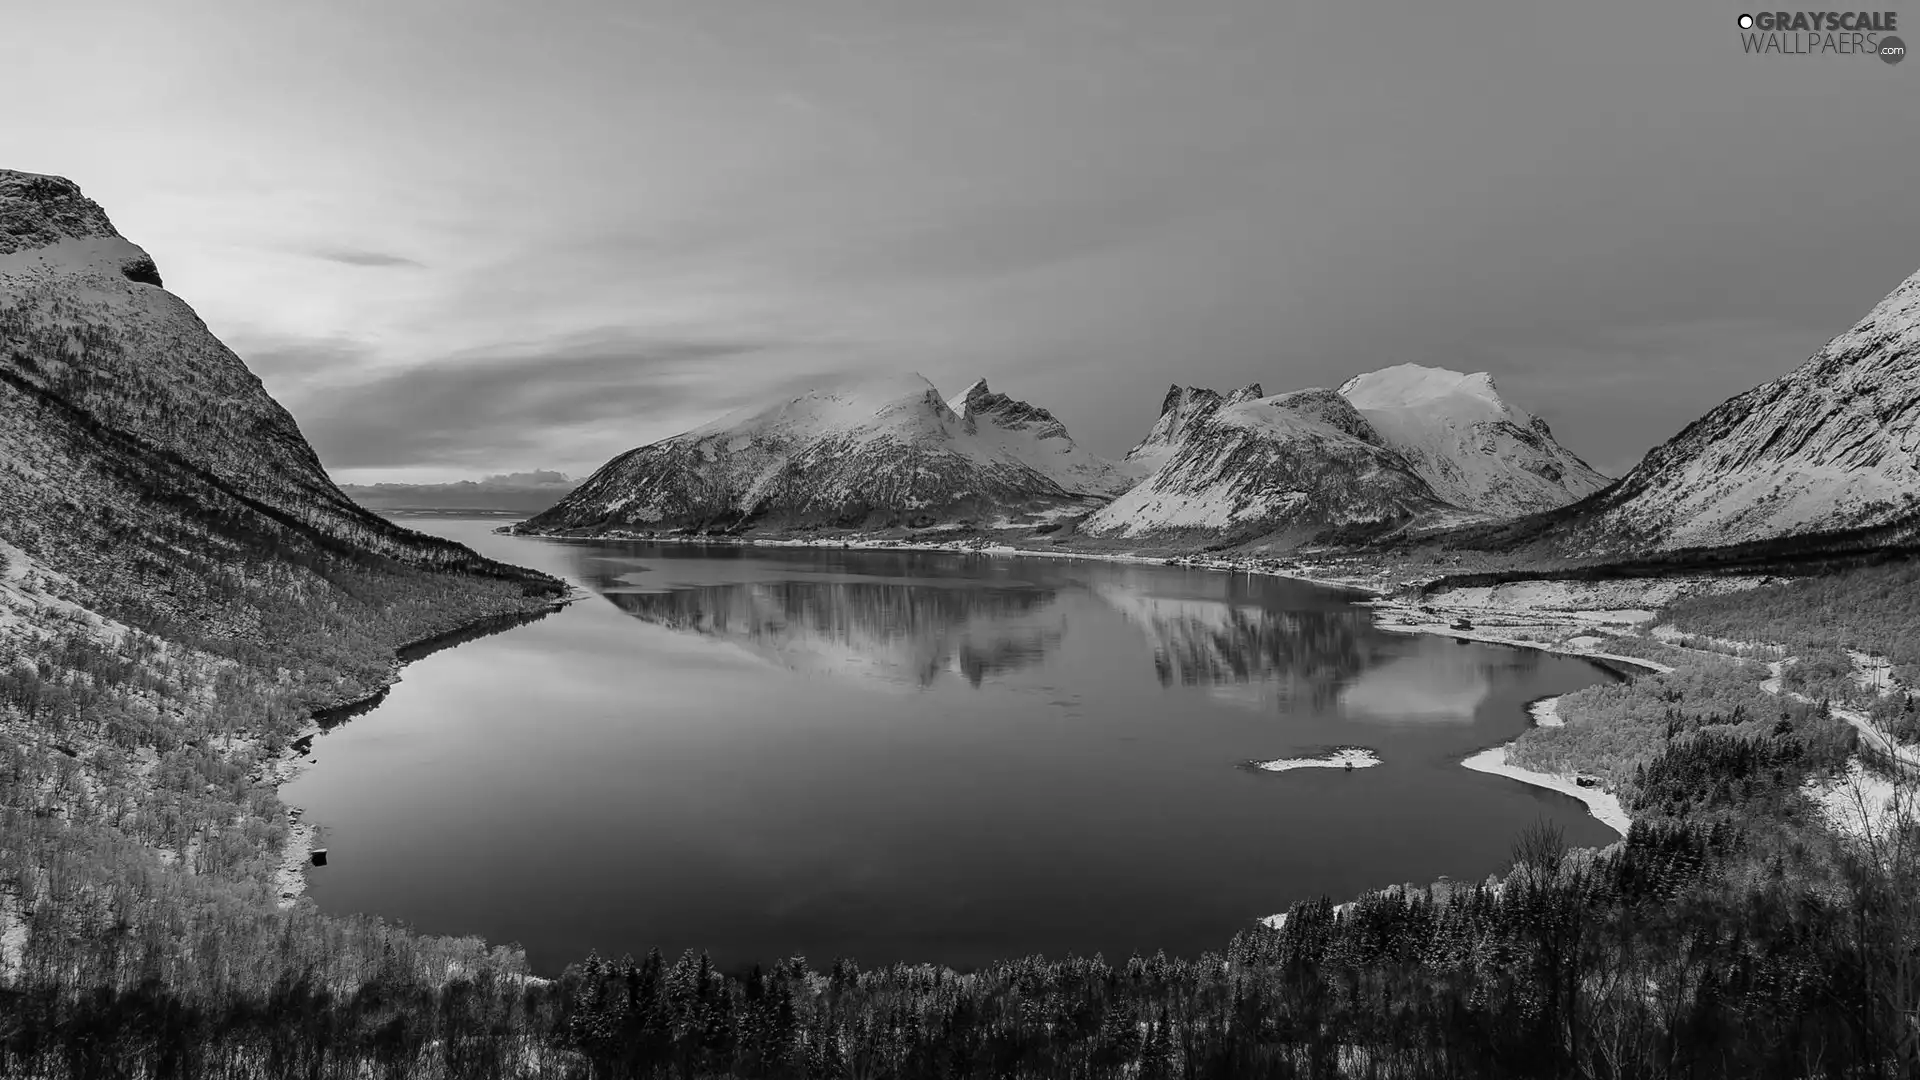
point(541, 234)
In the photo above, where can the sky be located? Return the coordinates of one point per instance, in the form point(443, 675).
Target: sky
point(476, 237)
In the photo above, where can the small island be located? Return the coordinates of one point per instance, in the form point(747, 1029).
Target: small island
point(1343, 757)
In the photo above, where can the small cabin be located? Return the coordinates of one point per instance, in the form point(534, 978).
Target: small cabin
point(1584, 780)
point(1462, 624)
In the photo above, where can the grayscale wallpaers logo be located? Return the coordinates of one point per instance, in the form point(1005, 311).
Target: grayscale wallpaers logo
point(1812, 33)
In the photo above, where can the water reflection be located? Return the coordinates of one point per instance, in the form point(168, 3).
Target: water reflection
point(1280, 654)
point(865, 626)
point(1252, 642)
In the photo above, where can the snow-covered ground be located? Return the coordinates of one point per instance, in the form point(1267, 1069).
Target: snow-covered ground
point(1861, 804)
point(1617, 602)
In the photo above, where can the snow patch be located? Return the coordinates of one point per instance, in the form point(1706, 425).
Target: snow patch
point(1604, 805)
point(1860, 804)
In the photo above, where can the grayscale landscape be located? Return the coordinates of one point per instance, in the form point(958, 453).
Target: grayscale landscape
point(1081, 540)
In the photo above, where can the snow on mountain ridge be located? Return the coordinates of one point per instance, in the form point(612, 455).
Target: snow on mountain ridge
point(1833, 445)
point(1403, 444)
point(1477, 451)
point(1405, 385)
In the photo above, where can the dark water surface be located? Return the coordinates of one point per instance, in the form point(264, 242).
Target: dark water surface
point(950, 758)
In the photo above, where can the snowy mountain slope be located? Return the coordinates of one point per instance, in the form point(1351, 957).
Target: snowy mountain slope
point(102, 363)
point(1297, 463)
point(1831, 447)
point(888, 451)
point(1033, 436)
point(1475, 450)
point(1180, 410)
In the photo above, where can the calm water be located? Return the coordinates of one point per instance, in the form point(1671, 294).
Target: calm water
point(912, 757)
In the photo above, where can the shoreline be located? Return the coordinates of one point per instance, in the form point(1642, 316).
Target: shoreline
point(964, 547)
point(1546, 712)
point(1604, 805)
point(290, 874)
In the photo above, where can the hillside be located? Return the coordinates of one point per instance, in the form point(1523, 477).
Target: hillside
point(181, 586)
point(1824, 457)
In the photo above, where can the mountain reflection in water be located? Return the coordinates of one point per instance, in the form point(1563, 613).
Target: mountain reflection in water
point(917, 630)
point(1250, 641)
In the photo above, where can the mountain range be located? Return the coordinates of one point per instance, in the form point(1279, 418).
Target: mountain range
point(509, 493)
point(1404, 446)
point(1412, 453)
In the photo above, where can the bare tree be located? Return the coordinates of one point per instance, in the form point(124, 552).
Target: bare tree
point(1540, 847)
point(1881, 856)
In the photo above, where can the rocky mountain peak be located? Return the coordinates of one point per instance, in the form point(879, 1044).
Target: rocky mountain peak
point(977, 400)
point(1248, 392)
point(36, 211)
point(46, 224)
point(1186, 398)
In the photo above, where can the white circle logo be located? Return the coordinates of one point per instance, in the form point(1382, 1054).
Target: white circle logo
point(1746, 22)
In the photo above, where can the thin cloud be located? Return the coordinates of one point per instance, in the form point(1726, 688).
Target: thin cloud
point(360, 257)
point(578, 399)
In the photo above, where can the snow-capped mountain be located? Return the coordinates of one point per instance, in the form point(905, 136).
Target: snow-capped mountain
point(1405, 444)
point(1476, 451)
point(885, 452)
point(1831, 447)
point(112, 389)
point(1298, 464)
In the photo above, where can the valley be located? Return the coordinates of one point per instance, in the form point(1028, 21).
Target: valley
point(740, 692)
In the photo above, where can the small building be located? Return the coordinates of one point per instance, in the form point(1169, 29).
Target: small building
point(318, 856)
